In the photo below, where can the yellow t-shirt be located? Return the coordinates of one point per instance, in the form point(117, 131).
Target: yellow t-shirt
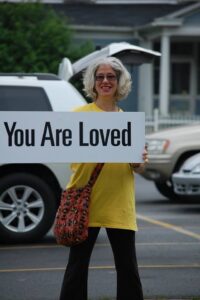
point(112, 203)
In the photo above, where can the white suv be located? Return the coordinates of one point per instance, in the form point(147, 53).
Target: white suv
point(29, 193)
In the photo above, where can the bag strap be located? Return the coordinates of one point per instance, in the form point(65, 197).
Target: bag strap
point(95, 174)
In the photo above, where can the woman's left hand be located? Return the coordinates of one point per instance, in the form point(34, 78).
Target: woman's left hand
point(139, 167)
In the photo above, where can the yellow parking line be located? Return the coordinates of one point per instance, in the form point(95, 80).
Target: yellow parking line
point(30, 270)
point(168, 243)
point(167, 266)
point(26, 247)
point(169, 226)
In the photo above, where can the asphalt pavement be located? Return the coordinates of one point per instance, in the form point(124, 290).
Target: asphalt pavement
point(168, 250)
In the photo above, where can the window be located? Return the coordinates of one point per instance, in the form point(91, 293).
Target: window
point(182, 49)
point(198, 69)
point(23, 98)
point(180, 78)
point(156, 71)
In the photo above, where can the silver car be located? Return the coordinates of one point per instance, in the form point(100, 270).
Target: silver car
point(187, 180)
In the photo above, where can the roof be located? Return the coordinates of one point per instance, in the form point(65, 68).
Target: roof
point(39, 76)
point(115, 15)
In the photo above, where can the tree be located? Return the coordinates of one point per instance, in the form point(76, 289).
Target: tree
point(33, 38)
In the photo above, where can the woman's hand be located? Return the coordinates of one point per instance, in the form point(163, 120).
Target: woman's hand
point(139, 167)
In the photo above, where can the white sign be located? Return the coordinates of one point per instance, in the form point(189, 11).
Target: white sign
point(58, 137)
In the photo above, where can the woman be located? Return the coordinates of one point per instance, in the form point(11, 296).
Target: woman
point(112, 204)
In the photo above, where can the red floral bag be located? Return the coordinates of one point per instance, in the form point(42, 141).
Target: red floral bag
point(71, 222)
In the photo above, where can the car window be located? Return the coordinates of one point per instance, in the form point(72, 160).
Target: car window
point(23, 98)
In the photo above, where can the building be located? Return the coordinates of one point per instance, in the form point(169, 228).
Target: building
point(171, 83)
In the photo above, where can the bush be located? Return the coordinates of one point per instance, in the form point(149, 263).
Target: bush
point(33, 38)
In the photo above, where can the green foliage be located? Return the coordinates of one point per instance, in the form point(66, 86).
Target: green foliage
point(33, 38)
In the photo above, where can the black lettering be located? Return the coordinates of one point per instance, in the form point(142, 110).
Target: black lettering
point(19, 137)
point(126, 135)
point(104, 136)
point(82, 143)
point(58, 132)
point(94, 137)
point(30, 137)
point(10, 132)
point(67, 137)
point(47, 135)
point(115, 137)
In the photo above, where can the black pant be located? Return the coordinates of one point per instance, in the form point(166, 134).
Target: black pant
point(122, 241)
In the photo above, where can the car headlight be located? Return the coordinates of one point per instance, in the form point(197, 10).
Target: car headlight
point(196, 169)
point(157, 146)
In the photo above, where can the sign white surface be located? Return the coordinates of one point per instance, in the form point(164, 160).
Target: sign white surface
point(58, 137)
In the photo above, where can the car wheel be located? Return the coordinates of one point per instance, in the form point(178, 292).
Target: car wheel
point(166, 189)
point(27, 208)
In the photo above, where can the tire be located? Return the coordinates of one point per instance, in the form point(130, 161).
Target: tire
point(166, 189)
point(27, 208)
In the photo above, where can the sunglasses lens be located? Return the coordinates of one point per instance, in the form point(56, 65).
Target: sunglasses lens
point(99, 77)
point(108, 77)
point(111, 77)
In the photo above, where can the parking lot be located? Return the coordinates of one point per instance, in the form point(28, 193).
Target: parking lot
point(168, 249)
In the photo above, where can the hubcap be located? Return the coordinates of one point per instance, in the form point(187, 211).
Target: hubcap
point(21, 208)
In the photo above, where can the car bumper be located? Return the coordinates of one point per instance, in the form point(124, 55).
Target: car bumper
point(185, 184)
point(159, 168)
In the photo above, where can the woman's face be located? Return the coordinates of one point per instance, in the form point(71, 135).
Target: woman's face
point(105, 82)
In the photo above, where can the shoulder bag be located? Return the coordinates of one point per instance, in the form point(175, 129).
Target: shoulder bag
point(72, 217)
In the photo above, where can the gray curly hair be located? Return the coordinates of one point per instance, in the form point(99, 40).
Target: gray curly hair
point(124, 77)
